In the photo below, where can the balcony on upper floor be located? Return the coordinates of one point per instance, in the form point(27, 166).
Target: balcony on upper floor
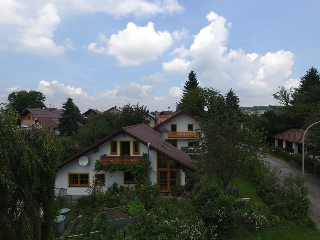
point(124, 159)
point(185, 135)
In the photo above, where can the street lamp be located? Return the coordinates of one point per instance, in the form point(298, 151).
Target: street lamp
point(303, 146)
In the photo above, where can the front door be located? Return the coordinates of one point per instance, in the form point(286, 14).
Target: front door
point(168, 173)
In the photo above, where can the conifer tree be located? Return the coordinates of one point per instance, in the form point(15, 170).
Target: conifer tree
point(69, 122)
point(191, 83)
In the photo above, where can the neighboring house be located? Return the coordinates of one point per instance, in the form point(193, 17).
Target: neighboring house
point(91, 112)
point(151, 120)
point(126, 145)
point(114, 110)
point(45, 117)
point(290, 140)
point(180, 130)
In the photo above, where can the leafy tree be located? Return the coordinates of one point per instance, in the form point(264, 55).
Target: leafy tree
point(69, 122)
point(29, 164)
point(22, 99)
point(102, 125)
point(131, 115)
point(191, 83)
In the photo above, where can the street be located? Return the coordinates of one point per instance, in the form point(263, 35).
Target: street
point(312, 183)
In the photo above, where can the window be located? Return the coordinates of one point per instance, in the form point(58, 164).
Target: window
point(113, 148)
point(168, 173)
point(172, 142)
point(190, 127)
point(128, 178)
point(28, 117)
point(191, 144)
point(173, 127)
point(136, 148)
point(125, 148)
point(100, 178)
point(78, 179)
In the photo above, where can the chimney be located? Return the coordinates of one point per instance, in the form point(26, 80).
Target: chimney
point(168, 108)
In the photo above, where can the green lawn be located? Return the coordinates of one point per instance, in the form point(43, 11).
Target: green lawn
point(291, 231)
point(246, 190)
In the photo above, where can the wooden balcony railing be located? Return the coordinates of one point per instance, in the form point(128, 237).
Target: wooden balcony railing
point(114, 159)
point(190, 134)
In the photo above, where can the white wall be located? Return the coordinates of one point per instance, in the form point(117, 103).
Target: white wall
point(74, 167)
point(182, 122)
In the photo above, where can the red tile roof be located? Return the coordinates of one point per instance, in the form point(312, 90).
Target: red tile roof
point(173, 116)
point(291, 135)
point(91, 110)
point(48, 116)
point(145, 134)
point(162, 118)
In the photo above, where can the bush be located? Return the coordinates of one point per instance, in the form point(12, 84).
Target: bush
point(134, 207)
point(214, 205)
point(176, 190)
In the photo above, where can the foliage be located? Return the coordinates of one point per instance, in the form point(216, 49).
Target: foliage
point(225, 143)
point(140, 170)
point(23, 99)
point(176, 190)
point(253, 217)
point(191, 83)
point(232, 105)
point(70, 119)
point(317, 171)
point(192, 178)
point(29, 164)
point(194, 102)
point(134, 207)
point(214, 205)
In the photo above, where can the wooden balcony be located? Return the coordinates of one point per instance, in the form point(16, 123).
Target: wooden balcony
point(190, 134)
point(114, 159)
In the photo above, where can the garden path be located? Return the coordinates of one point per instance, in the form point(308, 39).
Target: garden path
point(312, 183)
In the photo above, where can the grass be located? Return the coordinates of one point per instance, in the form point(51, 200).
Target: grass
point(246, 190)
point(290, 231)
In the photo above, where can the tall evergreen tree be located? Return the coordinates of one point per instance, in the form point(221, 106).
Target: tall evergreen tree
point(191, 83)
point(310, 80)
point(232, 100)
point(69, 122)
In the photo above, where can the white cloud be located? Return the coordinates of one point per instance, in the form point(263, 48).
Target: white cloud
point(12, 89)
point(93, 48)
point(135, 45)
point(69, 44)
point(130, 90)
point(176, 66)
point(10, 12)
point(247, 73)
point(183, 33)
point(139, 8)
point(56, 93)
point(175, 92)
point(292, 83)
point(154, 78)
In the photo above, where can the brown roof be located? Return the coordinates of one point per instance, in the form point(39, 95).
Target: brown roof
point(162, 118)
point(91, 110)
point(145, 134)
point(291, 135)
point(167, 113)
point(176, 114)
point(48, 116)
point(113, 108)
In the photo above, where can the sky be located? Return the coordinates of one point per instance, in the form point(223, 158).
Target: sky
point(103, 53)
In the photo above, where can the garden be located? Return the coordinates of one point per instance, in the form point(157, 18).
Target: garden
point(205, 209)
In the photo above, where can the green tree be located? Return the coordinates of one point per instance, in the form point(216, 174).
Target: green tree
point(29, 164)
point(131, 115)
point(22, 99)
point(70, 119)
point(191, 83)
point(232, 105)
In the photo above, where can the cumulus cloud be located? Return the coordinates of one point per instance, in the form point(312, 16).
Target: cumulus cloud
point(183, 33)
point(93, 48)
point(57, 93)
point(292, 83)
point(154, 78)
point(135, 45)
point(130, 90)
point(247, 73)
point(12, 89)
point(175, 92)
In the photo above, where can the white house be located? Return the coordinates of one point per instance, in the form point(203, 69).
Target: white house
point(180, 130)
point(126, 145)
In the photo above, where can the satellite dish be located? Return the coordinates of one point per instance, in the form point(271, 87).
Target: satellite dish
point(83, 161)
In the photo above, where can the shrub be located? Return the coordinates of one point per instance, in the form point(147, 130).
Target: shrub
point(317, 170)
point(176, 190)
point(134, 207)
point(253, 217)
point(214, 205)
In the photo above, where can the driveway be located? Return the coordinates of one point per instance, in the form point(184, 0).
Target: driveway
point(312, 183)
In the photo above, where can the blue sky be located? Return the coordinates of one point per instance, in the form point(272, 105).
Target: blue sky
point(103, 53)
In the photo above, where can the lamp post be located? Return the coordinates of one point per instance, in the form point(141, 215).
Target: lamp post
point(303, 146)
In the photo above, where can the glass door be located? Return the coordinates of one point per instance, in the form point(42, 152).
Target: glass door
point(163, 180)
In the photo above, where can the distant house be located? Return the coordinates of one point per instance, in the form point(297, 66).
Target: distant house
point(126, 145)
point(290, 140)
point(180, 130)
point(151, 120)
point(91, 112)
point(44, 117)
point(114, 110)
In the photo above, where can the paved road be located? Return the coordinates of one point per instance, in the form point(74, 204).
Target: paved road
point(312, 183)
